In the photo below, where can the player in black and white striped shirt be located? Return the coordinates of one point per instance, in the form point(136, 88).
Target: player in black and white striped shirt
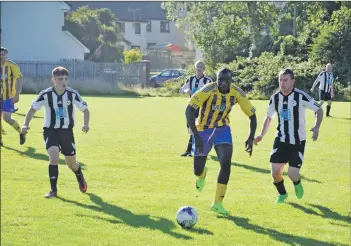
point(289, 145)
point(192, 85)
point(326, 87)
point(59, 120)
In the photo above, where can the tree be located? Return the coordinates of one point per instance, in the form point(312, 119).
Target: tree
point(97, 30)
point(224, 30)
point(333, 44)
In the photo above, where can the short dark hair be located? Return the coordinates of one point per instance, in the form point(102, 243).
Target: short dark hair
point(59, 71)
point(286, 71)
point(4, 49)
point(225, 71)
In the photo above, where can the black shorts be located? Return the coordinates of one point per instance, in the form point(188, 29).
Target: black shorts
point(62, 138)
point(284, 153)
point(324, 96)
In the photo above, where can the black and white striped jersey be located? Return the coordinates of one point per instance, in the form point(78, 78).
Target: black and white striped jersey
point(325, 80)
point(291, 114)
point(194, 84)
point(59, 110)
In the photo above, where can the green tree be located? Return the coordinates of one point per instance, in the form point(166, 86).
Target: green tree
point(224, 30)
point(132, 55)
point(97, 30)
point(333, 44)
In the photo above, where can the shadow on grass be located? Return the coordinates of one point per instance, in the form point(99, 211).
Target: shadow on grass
point(31, 153)
point(323, 212)
point(35, 117)
point(262, 170)
point(129, 218)
point(289, 239)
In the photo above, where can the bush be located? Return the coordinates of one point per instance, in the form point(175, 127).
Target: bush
point(132, 55)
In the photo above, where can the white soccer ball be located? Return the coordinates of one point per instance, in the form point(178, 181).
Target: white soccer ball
point(187, 217)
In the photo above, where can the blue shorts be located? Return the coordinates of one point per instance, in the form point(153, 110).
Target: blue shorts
point(8, 106)
point(212, 137)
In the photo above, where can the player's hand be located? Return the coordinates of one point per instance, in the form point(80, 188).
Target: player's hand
point(312, 89)
point(249, 146)
point(15, 99)
point(85, 128)
point(315, 131)
point(199, 145)
point(24, 129)
point(258, 139)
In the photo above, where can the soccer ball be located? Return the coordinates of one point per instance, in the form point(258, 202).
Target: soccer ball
point(187, 217)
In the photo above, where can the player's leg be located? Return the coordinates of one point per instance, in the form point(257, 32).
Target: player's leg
point(8, 109)
point(328, 108)
point(222, 140)
point(224, 152)
point(189, 146)
point(52, 147)
point(295, 163)
point(279, 157)
point(200, 169)
point(68, 149)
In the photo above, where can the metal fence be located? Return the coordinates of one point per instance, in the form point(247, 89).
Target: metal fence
point(86, 70)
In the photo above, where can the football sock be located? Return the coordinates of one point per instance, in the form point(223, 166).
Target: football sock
point(53, 176)
point(328, 110)
point(79, 174)
point(280, 187)
point(297, 182)
point(16, 127)
point(220, 192)
point(190, 144)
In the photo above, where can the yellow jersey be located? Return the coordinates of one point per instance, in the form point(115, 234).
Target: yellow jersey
point(215, 107)
point(9, 75)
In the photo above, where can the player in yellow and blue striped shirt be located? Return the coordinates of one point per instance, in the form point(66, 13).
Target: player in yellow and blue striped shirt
point(10, 90)
point(214, 102)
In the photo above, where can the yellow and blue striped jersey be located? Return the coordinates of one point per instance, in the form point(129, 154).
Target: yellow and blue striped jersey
point(215, 106)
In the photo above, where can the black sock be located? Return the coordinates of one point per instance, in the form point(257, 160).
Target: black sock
point(190, 144)
point(297, 182)
point(79, 174)
point(53, 176)
point(328, 110)
point(280, 187)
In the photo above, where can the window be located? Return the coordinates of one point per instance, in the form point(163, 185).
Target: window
point(166, 74)
point(148, 26)
point(137, 28)
point(150, 44)
point(135, 47)
point(164, 26)
point(121, 26)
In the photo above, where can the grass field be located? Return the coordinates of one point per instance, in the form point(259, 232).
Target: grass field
point(137, 181)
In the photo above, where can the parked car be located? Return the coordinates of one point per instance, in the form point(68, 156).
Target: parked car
point(159, 79)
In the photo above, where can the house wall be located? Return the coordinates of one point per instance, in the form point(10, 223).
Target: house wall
point(33, 31)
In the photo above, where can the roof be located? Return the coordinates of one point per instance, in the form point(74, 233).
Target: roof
point(86, 50)
point(128, 11)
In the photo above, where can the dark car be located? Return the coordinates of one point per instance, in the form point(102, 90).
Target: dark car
point(159, 79)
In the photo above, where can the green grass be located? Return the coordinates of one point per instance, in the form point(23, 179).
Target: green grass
point(137, 181)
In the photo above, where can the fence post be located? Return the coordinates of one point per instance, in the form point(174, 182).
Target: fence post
point(145, 75)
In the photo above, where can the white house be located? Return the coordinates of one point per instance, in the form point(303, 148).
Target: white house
point(143, 24)
point(33, 31)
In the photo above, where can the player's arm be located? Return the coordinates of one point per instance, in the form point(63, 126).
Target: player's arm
point(186, 87)
point(332, 89)
point(19, 81)
point(82, 106)
point(309, 102)
point(267, 121)
point(194, 104)
point(37, 104)
point(316, 82)
point(249, 110)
